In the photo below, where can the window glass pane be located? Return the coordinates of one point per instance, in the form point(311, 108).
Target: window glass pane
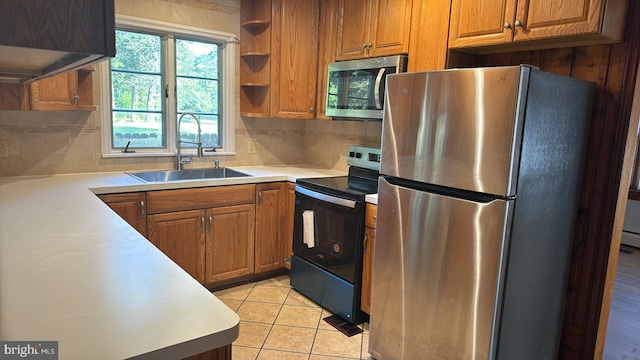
point(197, 59)
point(136, 93)
point(143, 130)
point(197, 91)
point(136, 51)
point(197, 96)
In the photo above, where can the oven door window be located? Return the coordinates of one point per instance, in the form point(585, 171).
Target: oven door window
point(333, 236)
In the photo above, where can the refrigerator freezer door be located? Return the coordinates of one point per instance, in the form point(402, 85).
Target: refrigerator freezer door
point(436, 279)
point(455, 128)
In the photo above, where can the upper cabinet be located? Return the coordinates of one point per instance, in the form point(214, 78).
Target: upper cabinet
point(255, 57)
point(535, 23)
point(72, 90)
point(294, 63)
point(279, 58)
point(42, 37)
point(372, 28)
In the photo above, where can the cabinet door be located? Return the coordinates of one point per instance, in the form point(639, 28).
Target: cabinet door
point(270, 221)
point(367, 269)
point(288, 233)
point(326, 52)
point(481, 22)
point(353, 29)
point(131, 207)
point(181, 236)
point(390, 26)
point(294, 59)
point(72, 90)
point(230, 242)
point(542, 19)
point(55, 93)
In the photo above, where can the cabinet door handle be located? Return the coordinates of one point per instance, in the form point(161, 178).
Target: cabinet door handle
point(142, 209)
point(517, 23)
point(202, 224)
point(364, 243)
point(364, 46)
point(260, 197)
point(369, 45)
point(210, 222)
point(76, 99)
point(374, 217)
point(507, 26)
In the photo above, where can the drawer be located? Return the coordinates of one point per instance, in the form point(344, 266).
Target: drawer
point(370, 215)
point(199, 198)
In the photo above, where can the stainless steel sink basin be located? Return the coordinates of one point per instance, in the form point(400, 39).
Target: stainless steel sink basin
point(186, 174)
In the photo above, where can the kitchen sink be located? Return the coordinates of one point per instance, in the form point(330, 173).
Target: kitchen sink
point(186, 174)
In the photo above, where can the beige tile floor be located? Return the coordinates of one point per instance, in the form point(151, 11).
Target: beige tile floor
point(277, 322)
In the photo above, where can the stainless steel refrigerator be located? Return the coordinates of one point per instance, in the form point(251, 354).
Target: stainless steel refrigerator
point(478, 196)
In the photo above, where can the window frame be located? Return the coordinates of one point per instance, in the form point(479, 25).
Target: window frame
point(227, 91)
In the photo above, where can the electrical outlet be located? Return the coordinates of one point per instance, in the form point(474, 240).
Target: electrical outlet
point(253, 147)
point(4, 149)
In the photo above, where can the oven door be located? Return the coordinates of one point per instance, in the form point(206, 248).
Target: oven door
point(328, 232)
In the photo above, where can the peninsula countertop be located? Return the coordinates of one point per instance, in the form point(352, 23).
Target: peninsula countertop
point(73, 271)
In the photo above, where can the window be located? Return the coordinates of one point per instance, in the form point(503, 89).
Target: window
point(161, 74)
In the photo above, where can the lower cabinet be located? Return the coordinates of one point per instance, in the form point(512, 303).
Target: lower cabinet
point(290, 199)
point(270, 226)
point(217, 233)
point(181, 236)
point(367, 263)
point(131, 207)
point(230, 242)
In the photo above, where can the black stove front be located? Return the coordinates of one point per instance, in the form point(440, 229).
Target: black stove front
point(326, 265)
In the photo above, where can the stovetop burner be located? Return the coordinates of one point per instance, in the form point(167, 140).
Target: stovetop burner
point(361, 181)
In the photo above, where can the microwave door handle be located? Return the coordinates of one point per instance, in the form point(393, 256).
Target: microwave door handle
point(376, 91)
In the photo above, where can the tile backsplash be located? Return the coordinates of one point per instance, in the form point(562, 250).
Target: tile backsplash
point(58, 142)
point(42, 143)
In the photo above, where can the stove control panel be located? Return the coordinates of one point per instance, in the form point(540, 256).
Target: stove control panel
point(364, 157)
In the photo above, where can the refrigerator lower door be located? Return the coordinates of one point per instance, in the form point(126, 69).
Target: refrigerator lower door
point(437, 275)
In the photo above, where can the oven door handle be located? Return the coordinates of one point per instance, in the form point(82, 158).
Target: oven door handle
point(325, 197)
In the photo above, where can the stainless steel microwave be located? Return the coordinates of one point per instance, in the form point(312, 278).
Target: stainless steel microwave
point(356, 88)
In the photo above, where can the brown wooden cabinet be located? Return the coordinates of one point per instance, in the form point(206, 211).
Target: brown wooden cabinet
point(372, 28)
point(479, 23)
point(44, 37)
point(279, 52)
point(230, 242)
point(367, 263)
point(72, 90)
point(289, 218)
point(270, 226)
point(294, 63)
point(326, 52)
point(131, 207)
point(212, 236)
point(181, 236)
point(255, 57)
point(429, 35)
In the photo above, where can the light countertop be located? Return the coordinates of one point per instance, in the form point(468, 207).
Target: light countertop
point(373, 199)
point(73, 271)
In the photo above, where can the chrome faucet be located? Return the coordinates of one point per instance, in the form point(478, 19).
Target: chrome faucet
point(186, 159)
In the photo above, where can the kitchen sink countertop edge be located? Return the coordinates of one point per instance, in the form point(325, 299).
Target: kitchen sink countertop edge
point(73, 271)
